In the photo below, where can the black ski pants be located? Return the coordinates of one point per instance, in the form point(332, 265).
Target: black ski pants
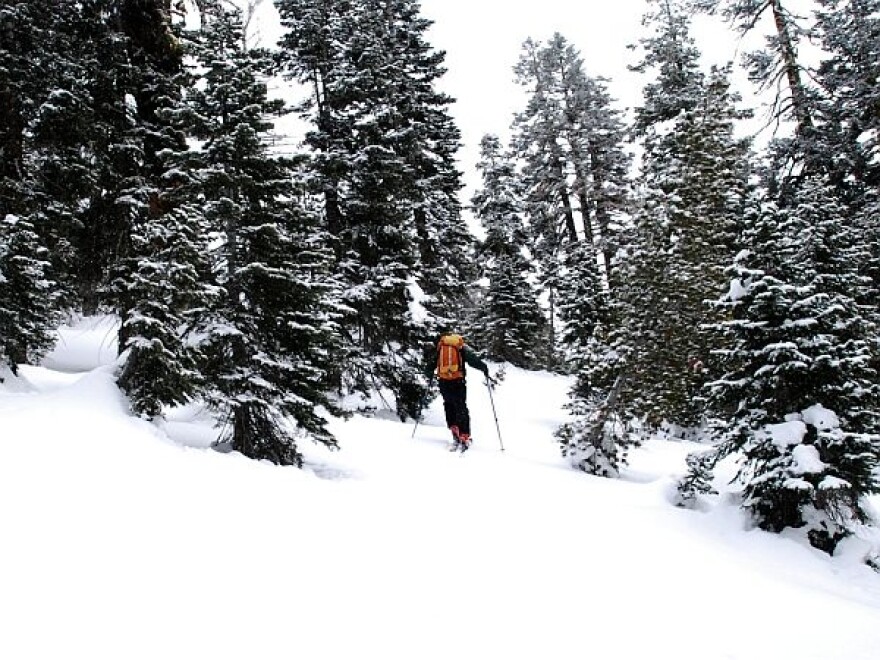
point(454, 394)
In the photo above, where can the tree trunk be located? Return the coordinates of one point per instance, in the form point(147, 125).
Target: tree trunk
point(788, 53)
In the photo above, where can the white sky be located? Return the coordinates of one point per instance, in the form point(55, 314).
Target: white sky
point(483, 38)
point(122, 539)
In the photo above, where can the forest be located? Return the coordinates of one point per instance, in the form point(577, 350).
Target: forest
point(709, 288)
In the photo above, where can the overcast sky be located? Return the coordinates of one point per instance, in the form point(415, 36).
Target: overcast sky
point(483, 39)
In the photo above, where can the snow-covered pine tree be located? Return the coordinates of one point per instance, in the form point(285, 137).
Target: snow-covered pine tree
point(26, 35)
point(28, 296)
point(509, 325)
point(33, 56)
point(584, 304)
point(426, 137)
point(693, 184)
point(159, 284)
point(269, 340)
point(849, 31)
point(98, 226)
point(569, 138)
point(849, 76)
point(798, 398)
point(382, 149)
point(597, 440)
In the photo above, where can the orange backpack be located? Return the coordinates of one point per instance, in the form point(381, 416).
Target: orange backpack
point(449, 364)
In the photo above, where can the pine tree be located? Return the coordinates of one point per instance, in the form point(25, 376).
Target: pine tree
point(28, 296)
point(32, 57)
point(269, 340)
point(798, 397)
point(569, 138)
point(849, 32)
point(850, 35)
point(383, 147)
point(509, 324)
point(98, 227)
point(694, 182)
point(158, 281)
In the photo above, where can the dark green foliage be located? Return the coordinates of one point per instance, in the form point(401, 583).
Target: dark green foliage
point(27, 295)
point(694, 181)
point(160, 287)
point(382, 153)
point(698, 479)
point(801, 346)
point(509, 324)
point(268, 337)
point(158, 275)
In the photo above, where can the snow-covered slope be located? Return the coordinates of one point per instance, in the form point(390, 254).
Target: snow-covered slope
point(121, 539)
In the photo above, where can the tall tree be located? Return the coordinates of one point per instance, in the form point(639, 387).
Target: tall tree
point(157, 284)
point(693, 184)
point(570, 139)
point(269, 339)
point(509, 324)
point(383, 147)
point(34, 56)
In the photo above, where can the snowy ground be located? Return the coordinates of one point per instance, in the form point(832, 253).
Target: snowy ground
point(123, 540)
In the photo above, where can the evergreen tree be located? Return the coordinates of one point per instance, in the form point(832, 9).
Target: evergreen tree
point(509, 326)
point(798, 396)
point(32, 55)
point(28, 296)
point(157, 282)
point(269, 339)
point(585, 304)
point(383, 147)
point(569, 138)
point(97, 227)
point(850, 35)
point(694, 182)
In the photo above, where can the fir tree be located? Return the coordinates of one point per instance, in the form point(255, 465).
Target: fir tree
point(33, 55)
point(694, 182)
point(269, 339)
point(799, 396)
point(157, 283)
point(383, 147)
point(28, 296)
point(850, 35)
point(509, 325)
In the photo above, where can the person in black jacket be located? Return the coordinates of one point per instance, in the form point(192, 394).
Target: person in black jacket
point(452, 356)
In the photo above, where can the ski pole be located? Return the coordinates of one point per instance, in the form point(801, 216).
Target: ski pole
point(415, 427)
point(492, 401)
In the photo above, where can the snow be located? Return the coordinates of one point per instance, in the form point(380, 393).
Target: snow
point(806, 460)
point(821, 417)
point(737, 290)
point(787, 434)
point(125, 539)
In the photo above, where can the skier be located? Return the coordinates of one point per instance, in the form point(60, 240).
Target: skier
point(451, 356)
